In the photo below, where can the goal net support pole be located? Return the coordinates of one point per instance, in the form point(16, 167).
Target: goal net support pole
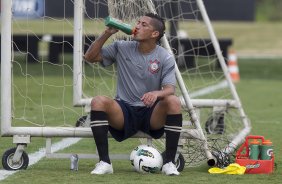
point(6, 66)
point(77, 52)
point(247, 128)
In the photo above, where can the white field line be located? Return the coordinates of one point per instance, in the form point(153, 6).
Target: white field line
point(209, 89)
point(35, 157)
point(259, 56)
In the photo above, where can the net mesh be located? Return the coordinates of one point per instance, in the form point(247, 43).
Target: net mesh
point(42, 79)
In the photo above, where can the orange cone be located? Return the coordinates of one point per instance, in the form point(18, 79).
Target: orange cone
point(233, 67)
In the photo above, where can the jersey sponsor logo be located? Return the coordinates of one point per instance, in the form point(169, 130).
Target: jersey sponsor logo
point(154, 66)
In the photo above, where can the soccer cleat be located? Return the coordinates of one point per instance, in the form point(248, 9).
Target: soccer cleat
point(103, 168)
point(170, 169)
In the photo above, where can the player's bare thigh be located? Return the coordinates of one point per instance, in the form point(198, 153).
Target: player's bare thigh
point(112, 108)
point(169, 105)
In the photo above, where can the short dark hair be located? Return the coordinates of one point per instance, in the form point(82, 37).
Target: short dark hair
point(158, 23)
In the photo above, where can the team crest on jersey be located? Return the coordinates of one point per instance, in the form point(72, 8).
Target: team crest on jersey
point(154, 66)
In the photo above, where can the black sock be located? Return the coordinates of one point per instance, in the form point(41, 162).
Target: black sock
point(172, 129)
point(100, 134)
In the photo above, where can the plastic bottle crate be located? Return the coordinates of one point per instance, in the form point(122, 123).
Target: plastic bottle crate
point(253, 166)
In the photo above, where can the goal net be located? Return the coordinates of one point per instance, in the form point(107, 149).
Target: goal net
point(50, 86)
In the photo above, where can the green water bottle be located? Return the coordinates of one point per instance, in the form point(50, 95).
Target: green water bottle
point(118, 24)
point(254, 149)
point(266, 150)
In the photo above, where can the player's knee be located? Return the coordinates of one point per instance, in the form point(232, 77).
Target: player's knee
point(172, 103)
point(99, 102)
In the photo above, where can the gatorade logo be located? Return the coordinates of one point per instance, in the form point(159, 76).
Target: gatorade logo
point(269, 152)
point(252, 166)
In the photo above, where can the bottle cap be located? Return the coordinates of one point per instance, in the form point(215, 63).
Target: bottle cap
point(255, 141)
point(267, 142)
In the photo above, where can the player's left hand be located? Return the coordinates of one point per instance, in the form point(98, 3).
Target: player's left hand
point(149, 99)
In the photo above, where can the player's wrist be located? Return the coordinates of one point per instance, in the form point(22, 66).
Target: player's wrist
point(107, 34)
point(159, 95)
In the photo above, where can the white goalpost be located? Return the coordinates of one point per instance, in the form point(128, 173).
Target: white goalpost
point(45, 98)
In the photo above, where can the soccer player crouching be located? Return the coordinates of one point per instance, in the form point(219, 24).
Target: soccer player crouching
point(145, 99)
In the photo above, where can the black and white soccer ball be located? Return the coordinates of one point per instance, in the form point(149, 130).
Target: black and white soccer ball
point(148, 160)
point(134, 153)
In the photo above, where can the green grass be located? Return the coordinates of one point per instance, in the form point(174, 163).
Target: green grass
point(261, 69)
point(268, 10)
point(259, 89)
point(252, 38)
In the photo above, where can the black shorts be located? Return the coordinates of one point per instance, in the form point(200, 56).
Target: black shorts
point(135, 119)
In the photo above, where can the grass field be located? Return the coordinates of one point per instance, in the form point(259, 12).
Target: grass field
point(260, 88)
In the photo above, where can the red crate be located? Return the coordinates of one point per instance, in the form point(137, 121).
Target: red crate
point(253, 166)
point(257, 166)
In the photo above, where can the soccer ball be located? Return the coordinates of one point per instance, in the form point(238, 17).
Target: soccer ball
point(134, 153)
point(148, 160)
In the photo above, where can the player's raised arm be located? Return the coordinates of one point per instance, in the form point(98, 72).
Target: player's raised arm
point(93, 54)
